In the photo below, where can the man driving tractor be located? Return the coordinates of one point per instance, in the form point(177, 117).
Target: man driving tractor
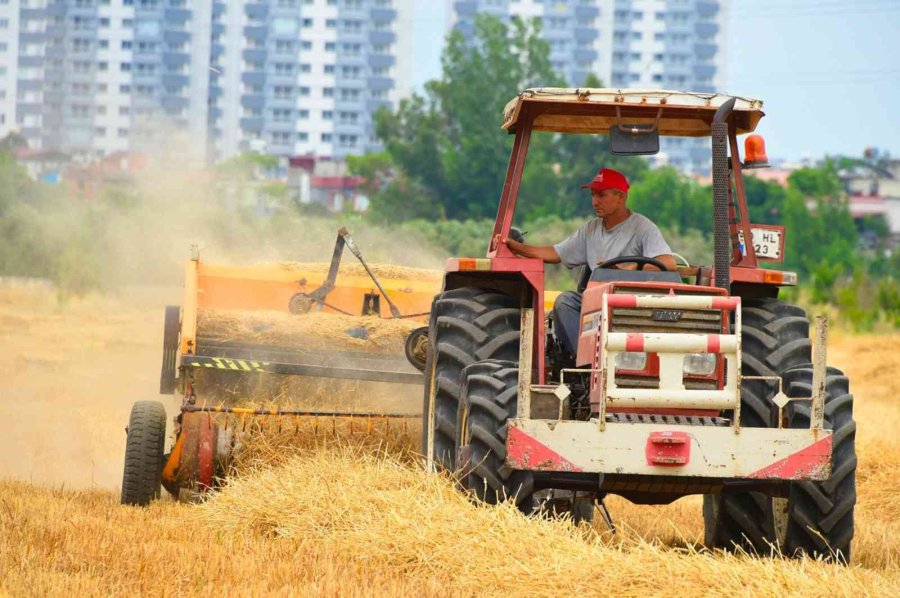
point(617, 232)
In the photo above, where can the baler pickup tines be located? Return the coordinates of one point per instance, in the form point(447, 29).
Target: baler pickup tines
point(297, 412)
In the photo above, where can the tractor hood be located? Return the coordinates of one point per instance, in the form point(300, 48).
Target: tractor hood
point(594, 110)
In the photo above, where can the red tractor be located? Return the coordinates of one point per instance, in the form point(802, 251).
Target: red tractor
point(699, 381)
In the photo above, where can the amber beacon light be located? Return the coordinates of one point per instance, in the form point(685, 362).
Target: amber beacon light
point(755, 152)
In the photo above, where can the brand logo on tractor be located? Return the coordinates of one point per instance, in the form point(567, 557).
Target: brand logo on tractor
point(667, 315)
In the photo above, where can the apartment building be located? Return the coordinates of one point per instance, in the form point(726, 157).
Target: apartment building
point(288, 77)
point(300, 77)
point(9, 64)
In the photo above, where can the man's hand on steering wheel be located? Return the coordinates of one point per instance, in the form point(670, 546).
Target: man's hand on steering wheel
point(637, 262)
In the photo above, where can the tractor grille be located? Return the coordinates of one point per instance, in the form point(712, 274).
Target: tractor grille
point(700, 321)
point(697, 321)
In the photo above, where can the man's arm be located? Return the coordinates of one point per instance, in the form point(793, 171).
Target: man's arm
point(667, 260)
point(544, 252)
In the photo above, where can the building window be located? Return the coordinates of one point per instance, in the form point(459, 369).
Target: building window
point(326, 137)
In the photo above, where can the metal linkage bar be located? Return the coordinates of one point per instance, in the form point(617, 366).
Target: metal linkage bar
point(296, 412)
point(318, 371)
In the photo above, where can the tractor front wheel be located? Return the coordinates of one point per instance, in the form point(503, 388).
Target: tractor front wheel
point(142, 477)
point(491, 399)
point(468, 324)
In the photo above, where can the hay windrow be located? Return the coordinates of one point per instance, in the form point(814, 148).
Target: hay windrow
point(391, 516)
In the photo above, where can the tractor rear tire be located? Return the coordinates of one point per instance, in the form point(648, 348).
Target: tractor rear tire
point(491, 400)
point(774, 339)
point(142, 478)
point(819, 515)
point(468, 324)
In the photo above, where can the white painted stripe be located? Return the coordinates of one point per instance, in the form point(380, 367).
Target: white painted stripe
point(665, 342)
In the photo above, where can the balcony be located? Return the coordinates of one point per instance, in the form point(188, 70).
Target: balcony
point(257, 11)
point(257, 32)
point(583, 13)
point(582, 56)
point(705, 51)
point(466, 8)
point(382, 37)
point(381, 83)
point(255, 55)
point(173, 103)
point(35, 61)
point(253, 101)
point(706, 29)
point(252, 125)
point(175, 59)
point(585, 34)
point(253, 78)
point(385, 14)
point(704, 71)
point(176, 38)
point(171, 80)
point(707, 9)
point(177, 15)
point(378, 61)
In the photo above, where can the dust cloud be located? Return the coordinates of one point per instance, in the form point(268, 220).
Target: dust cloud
point(72, 366)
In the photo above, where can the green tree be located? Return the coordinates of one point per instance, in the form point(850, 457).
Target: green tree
point(765, 200)
point(672, 200)
point(449, 142)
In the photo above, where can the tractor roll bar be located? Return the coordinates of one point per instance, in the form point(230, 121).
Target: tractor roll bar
point(721, 186)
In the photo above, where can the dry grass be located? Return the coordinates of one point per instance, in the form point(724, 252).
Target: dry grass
point(347, 512)
point(309, 331)
point(384, 272)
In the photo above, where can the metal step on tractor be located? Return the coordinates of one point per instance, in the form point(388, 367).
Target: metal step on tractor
point(699, 381)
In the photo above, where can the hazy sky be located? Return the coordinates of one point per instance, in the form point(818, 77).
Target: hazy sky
point(828, 71)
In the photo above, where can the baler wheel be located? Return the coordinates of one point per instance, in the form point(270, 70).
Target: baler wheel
point(142, 477)
point(491, 398)
point(468, 324)
point(774, 339)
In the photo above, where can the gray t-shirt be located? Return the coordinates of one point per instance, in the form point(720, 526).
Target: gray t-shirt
point(592, 244)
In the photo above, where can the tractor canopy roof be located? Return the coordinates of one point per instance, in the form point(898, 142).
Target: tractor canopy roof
point(595, 110)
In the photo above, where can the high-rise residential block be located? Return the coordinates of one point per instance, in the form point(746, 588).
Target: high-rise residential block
point(288, 77)
point(300, 76)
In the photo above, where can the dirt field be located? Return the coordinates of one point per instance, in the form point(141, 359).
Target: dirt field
point(342, 521)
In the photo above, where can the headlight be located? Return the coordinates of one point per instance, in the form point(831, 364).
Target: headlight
point(700, 364)
point(631, 361)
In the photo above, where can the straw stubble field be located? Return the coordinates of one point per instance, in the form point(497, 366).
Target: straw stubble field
point(337, 515)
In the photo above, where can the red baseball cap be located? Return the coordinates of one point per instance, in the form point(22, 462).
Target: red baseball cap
point(608, 178)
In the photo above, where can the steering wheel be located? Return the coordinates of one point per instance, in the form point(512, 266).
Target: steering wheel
point(640, 260)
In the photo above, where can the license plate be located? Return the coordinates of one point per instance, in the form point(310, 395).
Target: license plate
point(766, 242)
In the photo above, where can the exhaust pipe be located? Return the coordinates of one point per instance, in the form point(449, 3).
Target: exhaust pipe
point(721, 184)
